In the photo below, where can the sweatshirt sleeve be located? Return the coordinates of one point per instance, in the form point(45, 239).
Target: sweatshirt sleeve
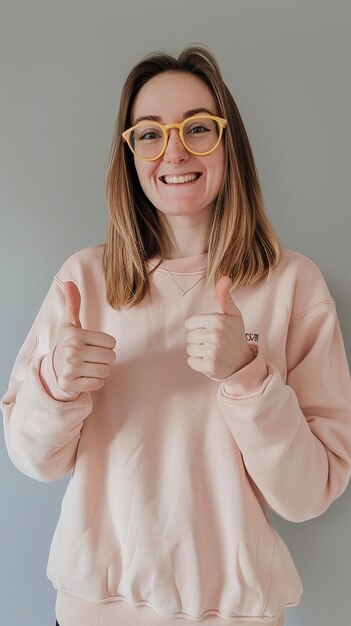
point(295, 435)
point(42, 431)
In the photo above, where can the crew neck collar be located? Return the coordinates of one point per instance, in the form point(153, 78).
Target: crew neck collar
point(182, 264)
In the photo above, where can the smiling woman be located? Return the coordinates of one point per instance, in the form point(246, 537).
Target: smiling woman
point(189, 372)
point(166, 92)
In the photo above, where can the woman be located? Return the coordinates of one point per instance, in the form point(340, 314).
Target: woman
point(189, 372)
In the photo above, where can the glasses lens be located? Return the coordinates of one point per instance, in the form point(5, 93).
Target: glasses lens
point(147, 139)
point(201, 134)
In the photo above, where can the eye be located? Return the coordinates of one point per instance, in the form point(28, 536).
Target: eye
point(197, 130)
point(147, 132)
point(150, 134)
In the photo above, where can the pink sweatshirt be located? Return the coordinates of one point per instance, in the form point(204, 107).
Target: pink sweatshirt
point(164, 515)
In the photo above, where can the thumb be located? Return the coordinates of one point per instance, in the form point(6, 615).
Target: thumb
point(70, 314)
point(224, 298)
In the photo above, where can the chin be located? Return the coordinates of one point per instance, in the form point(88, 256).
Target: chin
point(180, 211)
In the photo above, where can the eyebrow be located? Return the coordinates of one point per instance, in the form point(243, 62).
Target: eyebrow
point(157, 118)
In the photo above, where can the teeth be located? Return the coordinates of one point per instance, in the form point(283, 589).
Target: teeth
point(180, 179)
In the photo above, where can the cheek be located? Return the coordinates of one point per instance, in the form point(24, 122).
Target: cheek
point(144, 172)
point(218, 168)
point(139, 169)
point(221, 161)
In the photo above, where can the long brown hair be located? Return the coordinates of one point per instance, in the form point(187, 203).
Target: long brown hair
point(241, 242)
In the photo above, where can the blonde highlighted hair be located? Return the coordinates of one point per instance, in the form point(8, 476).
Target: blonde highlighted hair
point(241, 241)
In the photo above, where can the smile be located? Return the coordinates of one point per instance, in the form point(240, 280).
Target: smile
point(186, 178)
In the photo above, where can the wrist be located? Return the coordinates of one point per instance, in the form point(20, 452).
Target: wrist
point(250, 380)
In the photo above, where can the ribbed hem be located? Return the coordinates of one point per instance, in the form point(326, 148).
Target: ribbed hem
point(72, 610)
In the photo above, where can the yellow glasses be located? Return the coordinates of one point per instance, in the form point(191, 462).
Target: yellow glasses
point(199, 134)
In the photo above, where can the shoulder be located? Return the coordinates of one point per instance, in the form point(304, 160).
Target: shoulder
point(302, 278)
point(84, 268)
point(82, 263)
point(290, 259)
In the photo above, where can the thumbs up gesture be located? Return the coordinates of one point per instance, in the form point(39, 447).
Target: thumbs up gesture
point(82, 358)
point(216, 342)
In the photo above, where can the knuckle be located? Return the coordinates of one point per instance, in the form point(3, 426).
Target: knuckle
point(217, 336)
point(72, 335)
point(64, 378)
point(75, 341)
point(98, 384)
point(208, 358)
point(71, 354)
point(210, 370)
point(209, 351)
point(61, 380)
point(217, 321)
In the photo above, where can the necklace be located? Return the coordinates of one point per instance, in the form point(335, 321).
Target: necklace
point(179, 287)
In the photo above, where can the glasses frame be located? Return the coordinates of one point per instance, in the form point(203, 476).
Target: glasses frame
point(166, 127)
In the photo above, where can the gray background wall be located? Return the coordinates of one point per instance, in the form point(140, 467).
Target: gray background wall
point(62, 67)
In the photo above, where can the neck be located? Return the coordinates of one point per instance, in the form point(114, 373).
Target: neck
point(182, 254)
point(188, 234)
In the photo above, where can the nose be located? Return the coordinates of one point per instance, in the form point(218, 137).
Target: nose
point(175, 151)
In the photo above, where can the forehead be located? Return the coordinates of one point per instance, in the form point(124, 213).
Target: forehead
point(170, 94)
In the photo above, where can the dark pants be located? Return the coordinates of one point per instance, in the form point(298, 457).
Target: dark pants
point(57, 624)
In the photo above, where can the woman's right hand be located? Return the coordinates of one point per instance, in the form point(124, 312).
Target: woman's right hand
point(82, 358)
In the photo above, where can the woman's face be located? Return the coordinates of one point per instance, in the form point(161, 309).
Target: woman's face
point(170, 96)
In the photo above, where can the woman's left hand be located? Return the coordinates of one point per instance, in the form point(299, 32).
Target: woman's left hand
point(216, 342)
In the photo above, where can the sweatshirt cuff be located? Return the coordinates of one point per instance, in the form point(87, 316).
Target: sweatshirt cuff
point(248, 381)
point(49, 381)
